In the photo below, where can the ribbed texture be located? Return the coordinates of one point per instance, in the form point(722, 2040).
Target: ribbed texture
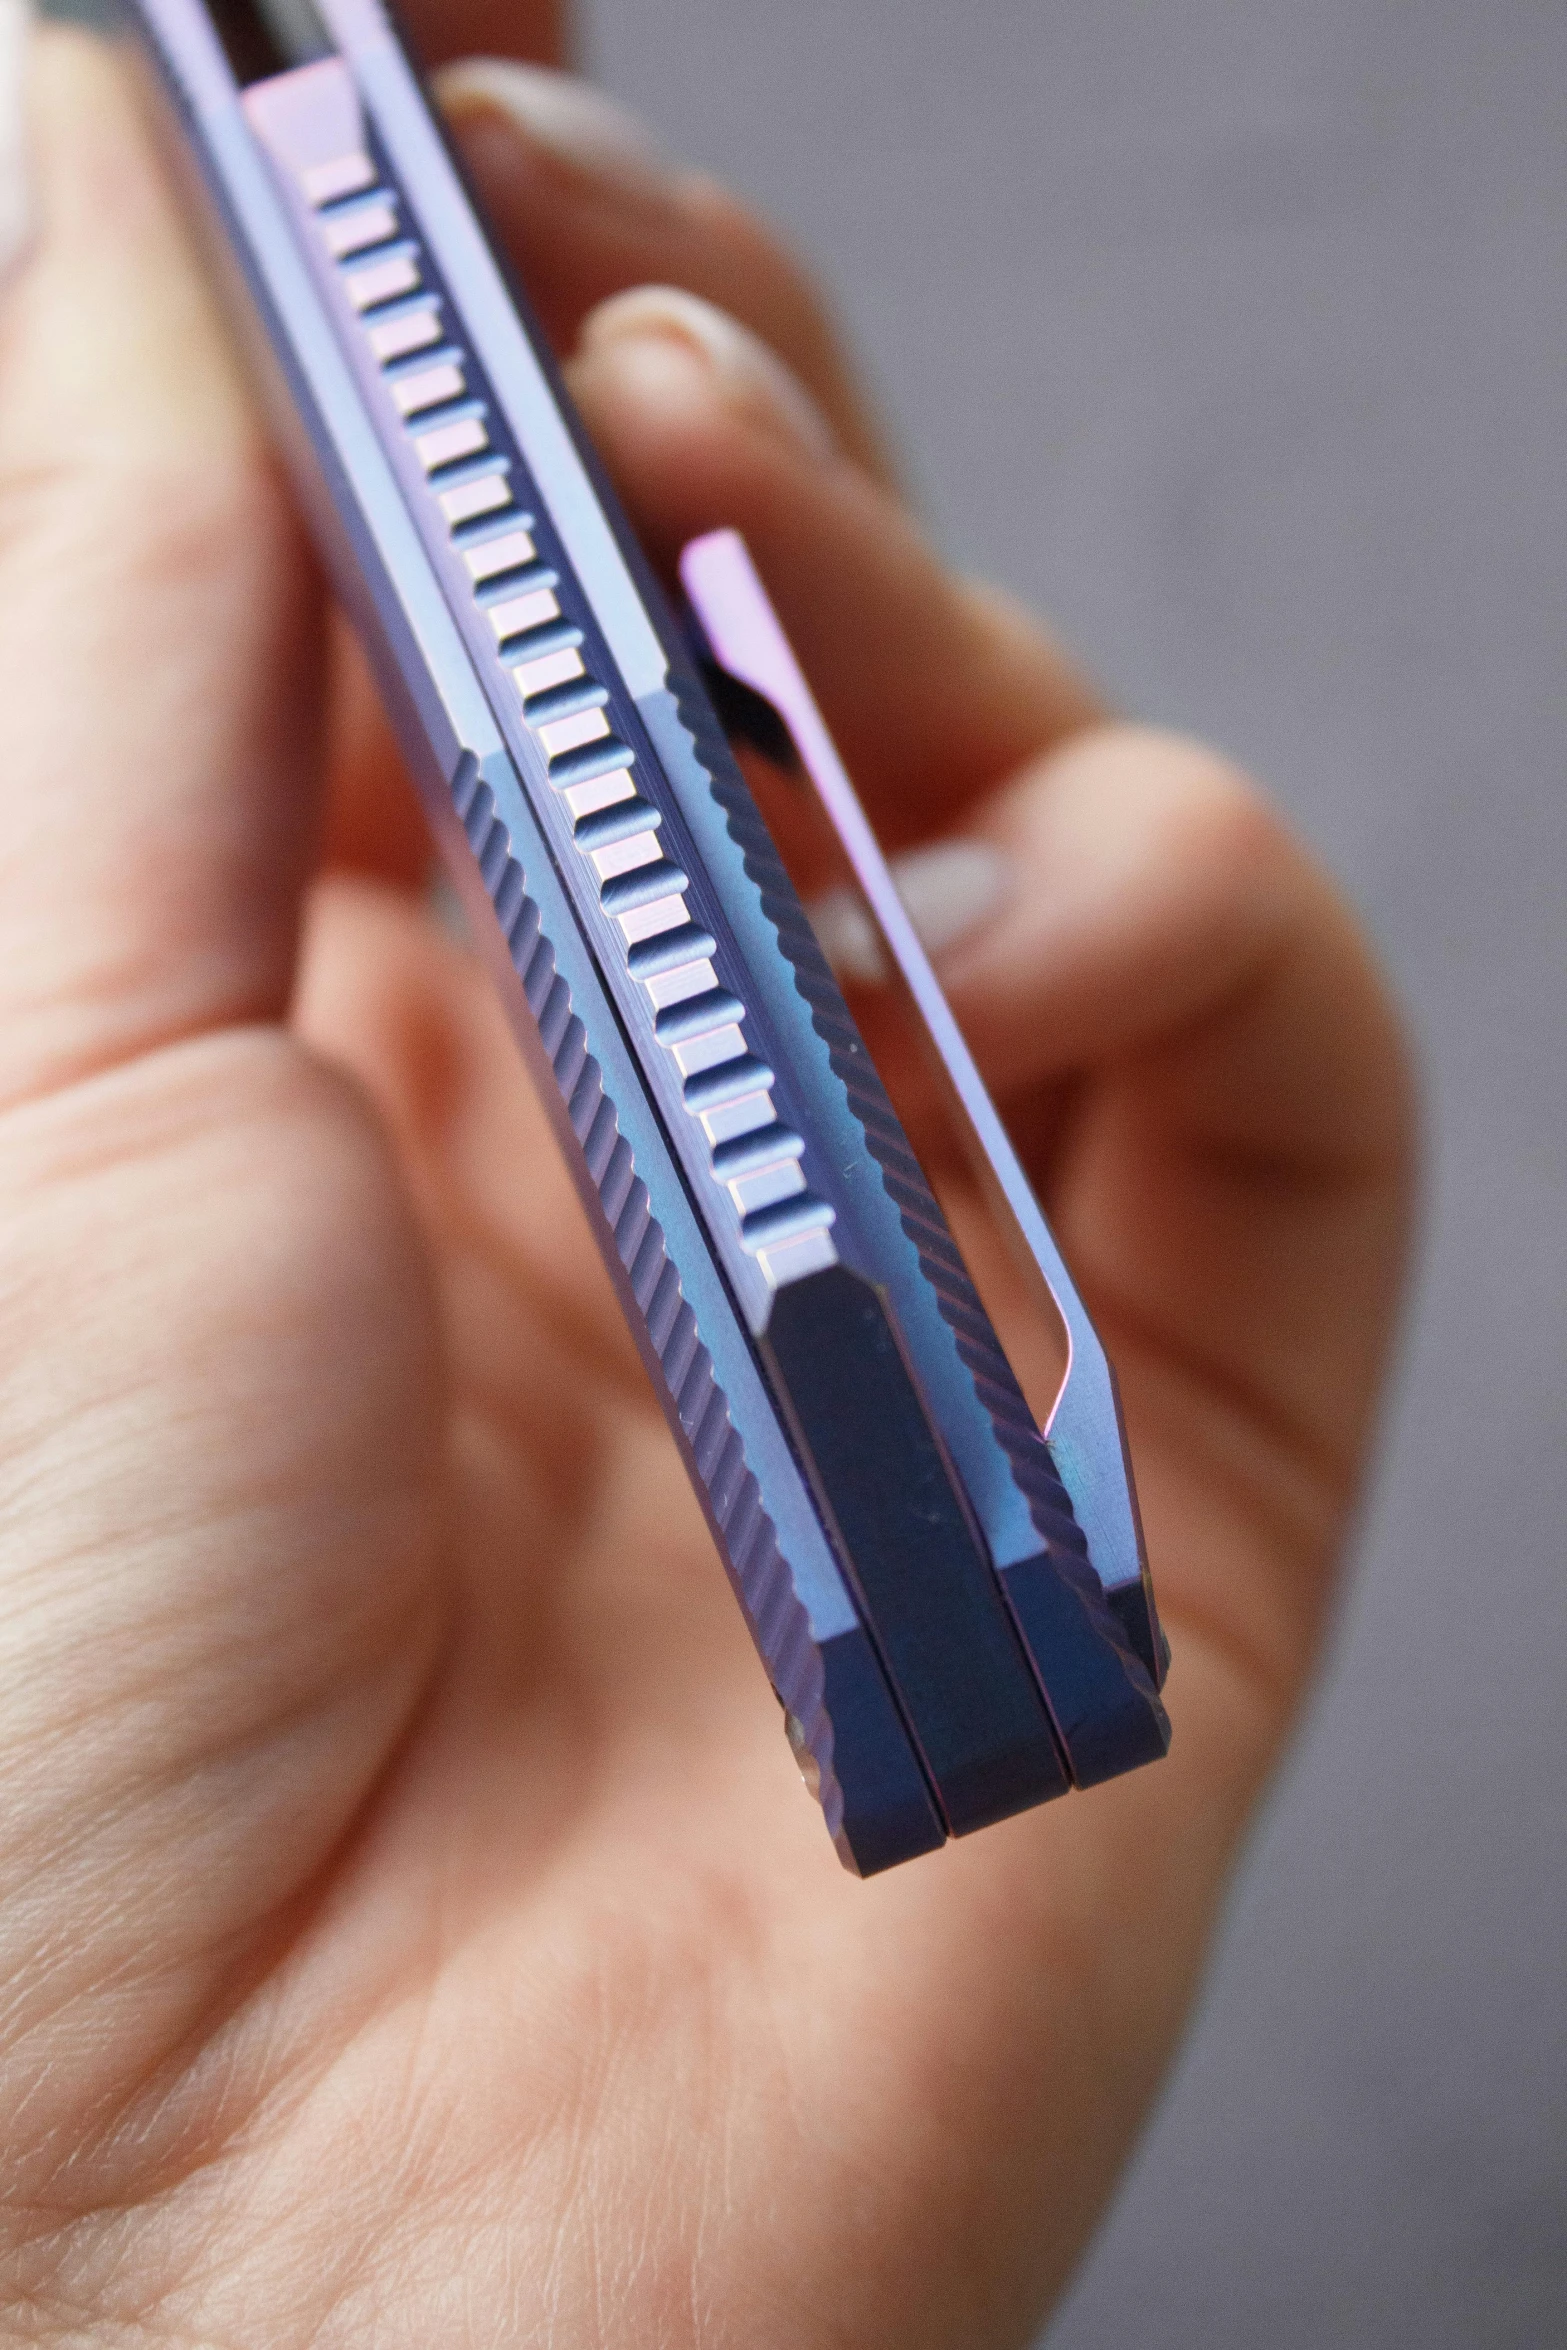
point(746, 1534)
point(474, 489)
point(1018, 1434)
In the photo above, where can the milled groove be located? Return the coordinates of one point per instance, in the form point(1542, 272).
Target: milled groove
point(747, 1537)
point(437, 390)
point(473, 476)
point(1027, 1451)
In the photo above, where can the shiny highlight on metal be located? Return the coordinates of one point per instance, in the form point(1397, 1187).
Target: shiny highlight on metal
point(950, 1602)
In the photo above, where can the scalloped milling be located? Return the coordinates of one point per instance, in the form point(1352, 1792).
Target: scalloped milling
point(406, 321)
point(930, 1614)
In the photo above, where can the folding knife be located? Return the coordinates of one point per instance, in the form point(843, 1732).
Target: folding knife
point(951, 1601)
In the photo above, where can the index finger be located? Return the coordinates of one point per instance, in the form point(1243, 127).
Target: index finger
point(934, 688)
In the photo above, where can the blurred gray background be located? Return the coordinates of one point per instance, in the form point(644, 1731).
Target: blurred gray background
point(1233, 335)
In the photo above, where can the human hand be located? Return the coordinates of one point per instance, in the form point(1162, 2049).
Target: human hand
point(411, 1927)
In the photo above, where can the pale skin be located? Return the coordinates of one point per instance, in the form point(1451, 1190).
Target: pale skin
point(412, 1927)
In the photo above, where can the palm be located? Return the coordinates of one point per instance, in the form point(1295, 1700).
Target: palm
point(428, 1938)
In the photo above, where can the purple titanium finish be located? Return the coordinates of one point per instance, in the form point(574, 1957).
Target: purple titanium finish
point(890, 1517)
point(343, 455)
point(1085, 1430)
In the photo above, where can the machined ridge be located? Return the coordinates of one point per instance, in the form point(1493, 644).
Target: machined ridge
point(746, 1535)
point(438, 392)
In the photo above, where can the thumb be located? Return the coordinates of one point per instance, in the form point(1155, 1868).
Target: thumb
point(222, 1410)
point(159, 712)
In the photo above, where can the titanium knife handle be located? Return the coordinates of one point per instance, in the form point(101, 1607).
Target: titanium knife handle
point(950, 1601)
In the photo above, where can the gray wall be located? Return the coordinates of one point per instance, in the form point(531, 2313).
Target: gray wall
point(1232, 334)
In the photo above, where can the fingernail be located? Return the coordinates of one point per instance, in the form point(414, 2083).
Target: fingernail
point(948, 891)
point(16, 210)
point(749, 375)
point(847, 936)
point(574, 123)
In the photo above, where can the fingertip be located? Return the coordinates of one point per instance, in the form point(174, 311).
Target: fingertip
point(1125, 842)
point(1158, 902)
point(524, 120)
point(952, 889)
point(693, 444)
point(674, 353)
